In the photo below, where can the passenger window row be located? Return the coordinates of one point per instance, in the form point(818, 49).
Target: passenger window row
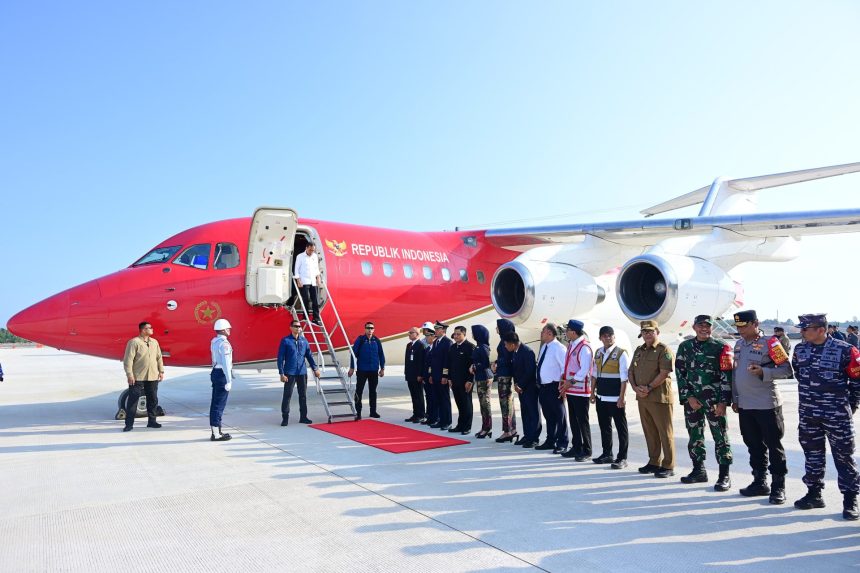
point(426, 272)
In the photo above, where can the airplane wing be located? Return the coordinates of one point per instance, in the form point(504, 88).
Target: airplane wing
point(646, 232)
point(714, 214)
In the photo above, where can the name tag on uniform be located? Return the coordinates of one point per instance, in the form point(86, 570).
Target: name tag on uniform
point(411, 357)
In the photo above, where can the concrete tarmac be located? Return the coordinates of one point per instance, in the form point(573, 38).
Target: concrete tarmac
point(80, 495)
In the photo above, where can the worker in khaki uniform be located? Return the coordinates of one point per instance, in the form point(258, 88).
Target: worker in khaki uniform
point(144, 369)
point(650, 375)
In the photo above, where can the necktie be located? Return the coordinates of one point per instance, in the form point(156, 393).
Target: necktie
point(540, 362)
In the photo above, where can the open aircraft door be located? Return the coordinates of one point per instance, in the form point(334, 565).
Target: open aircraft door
point(268, 274)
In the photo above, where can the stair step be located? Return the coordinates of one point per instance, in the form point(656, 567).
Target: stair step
point(339, 403)
point(334, 390)
point(343, 415)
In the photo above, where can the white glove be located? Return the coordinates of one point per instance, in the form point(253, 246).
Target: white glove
point(228, 386)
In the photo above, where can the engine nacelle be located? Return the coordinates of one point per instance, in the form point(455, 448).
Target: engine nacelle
point(672, 289)
point(528, 291)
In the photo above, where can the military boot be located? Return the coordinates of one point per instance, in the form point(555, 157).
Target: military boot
point(849, 507)
point(777, 490)
point(724, 481)
point(698, 475)
point(759, 485)
point(811, 500)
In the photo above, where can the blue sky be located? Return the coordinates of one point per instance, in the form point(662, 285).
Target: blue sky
point(124, 123)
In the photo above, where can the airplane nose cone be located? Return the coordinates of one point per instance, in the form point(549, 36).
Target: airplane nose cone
point(46, 322)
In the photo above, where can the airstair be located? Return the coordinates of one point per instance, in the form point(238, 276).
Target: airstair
point(334, 386)
point(269, 283)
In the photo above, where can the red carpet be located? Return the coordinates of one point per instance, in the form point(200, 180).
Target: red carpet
point(389, 437)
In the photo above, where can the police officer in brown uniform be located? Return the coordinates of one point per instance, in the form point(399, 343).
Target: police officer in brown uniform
point(650, 375)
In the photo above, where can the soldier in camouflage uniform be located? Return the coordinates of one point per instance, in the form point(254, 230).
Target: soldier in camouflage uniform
point(827, 372)
point(704, 368)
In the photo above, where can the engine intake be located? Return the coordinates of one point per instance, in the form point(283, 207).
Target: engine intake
point(527, 291)
point(672, 289)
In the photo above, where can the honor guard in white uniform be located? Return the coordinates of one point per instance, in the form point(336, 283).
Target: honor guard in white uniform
point(222, 378)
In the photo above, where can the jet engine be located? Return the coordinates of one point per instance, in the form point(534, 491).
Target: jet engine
point(672, 289)
point(528, 291)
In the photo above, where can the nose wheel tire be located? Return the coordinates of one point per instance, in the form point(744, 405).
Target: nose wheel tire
point(141, 407)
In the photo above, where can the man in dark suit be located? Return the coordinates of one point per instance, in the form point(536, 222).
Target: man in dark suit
point(439, 376)
point(460, 376)
point(524, 367)
point(413, 370)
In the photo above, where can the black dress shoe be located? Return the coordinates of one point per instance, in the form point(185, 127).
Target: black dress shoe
point(420, 420)
point(482, 434)
point(466, 432)
point(358, 417)
point(444, 428)
point(435, 425)
point(128, 428)
point(619, 464)
point(649, 469)
point(582, 458)
point(529, 444)
point(411, 419)
point(571, 453)
point(664, 473)
point(520, 442)
point(545, 446)
point(221, 438)
point(453, 430)
point(504, 439)
point(603, 459)
point(306, 421)
point(374, 415)
point(285, 422)
point(561, 451)
point(153, 424)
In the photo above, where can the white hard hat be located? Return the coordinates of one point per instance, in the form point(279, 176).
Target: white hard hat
point(222, 324)
point(427, 326)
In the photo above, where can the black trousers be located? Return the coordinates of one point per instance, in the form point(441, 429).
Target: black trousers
point(530, 413)
point(416, 392)
point(553, 412)
point(608, 412)
point(300, 382)
point(309, 295)
point(762, 431)
point(465, 408)
point(443, 401)
point(150, 388)
point(580, 429)
point(362, 377)
point(432, 410)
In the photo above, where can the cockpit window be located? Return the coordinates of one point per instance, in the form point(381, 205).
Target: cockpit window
point(158, 255)
point(226, 256)
point(196, 256)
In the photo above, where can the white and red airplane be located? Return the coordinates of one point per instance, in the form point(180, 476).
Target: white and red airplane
point(614, 273)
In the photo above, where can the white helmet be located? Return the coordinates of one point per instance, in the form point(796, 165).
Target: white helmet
point(427, 326)
point(222, 324)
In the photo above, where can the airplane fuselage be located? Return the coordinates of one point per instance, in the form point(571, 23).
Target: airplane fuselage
point(395, 278)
